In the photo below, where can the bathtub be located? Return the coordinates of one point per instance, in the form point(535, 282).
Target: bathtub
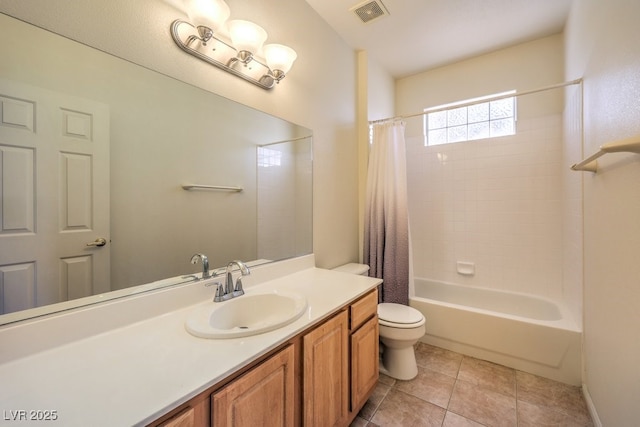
point(521, 331)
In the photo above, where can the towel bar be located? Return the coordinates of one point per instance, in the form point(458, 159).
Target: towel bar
point(189, 187)
point(628, 145)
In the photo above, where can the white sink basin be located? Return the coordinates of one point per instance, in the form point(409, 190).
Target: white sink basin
point(246, 315)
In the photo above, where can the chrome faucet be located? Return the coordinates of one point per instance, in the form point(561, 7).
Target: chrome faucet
point(231, 290)
point(205, 264)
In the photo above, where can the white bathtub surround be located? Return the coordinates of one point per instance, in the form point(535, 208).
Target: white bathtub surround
point(466, 268)
point(525, 332)
point(386, 222)
point(287, 167)
point(94, 369)
point(572, 209)
point(495, 203)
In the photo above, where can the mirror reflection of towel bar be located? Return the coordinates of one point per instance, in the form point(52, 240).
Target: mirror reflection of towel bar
point(629, 145)
point(190, 187)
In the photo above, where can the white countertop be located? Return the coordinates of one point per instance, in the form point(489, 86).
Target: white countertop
point(135, 373)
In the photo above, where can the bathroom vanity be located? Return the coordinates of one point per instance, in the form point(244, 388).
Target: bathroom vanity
point(322, 376)
point(131, 362)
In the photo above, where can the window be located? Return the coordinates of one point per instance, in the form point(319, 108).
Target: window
point(490, 119)
point(268, 157)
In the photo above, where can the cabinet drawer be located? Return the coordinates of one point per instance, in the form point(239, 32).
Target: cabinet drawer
point(363, 309)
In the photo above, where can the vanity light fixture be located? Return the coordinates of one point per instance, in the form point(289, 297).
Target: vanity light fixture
point(237, 51)
point(247, 38)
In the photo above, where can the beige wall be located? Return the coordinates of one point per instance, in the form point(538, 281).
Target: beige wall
point(381, 96)
point(319, 92)
point(522, 67)
point(602, 47)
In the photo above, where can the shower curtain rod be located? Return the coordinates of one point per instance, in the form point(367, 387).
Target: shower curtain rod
point(466, 104)
point(300, 138)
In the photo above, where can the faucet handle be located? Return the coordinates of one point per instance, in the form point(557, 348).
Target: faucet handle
point(238, 289)
point(219, 296)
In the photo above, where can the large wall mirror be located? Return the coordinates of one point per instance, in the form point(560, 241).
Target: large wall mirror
point(94, 147)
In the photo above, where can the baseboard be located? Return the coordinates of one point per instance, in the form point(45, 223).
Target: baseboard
point(591, 407)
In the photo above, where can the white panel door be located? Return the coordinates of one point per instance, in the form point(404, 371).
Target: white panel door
point(54, 194)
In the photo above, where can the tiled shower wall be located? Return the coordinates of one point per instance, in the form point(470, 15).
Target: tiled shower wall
point(284, 200)
point(572, 226)
point(276, 209)
point(496, 203)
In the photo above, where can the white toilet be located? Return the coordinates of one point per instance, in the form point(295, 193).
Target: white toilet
point(400, 328)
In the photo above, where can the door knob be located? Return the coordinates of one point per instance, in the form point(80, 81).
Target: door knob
point(100, 241)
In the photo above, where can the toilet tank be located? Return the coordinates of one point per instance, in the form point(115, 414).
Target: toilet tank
point(354, 268)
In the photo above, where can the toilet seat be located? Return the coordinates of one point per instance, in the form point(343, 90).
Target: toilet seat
point(399, 316)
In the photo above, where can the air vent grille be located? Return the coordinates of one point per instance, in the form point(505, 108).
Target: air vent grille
point(370, 10)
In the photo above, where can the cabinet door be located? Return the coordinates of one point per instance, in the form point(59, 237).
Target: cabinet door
point(196, 414)
point(326, 373)
point(186, 418)
point(364, 362)
point(262, 397)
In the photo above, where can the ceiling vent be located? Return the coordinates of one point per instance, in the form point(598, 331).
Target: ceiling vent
point(370, 10)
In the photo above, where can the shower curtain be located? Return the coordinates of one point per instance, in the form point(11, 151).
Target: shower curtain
point(386, 223)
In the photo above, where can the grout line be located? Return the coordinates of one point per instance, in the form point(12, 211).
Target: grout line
point(380, 403)
point(457, 379)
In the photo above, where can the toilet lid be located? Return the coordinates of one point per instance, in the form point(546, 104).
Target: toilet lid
point(398, 313)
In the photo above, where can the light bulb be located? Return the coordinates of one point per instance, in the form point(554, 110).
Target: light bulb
point(279, 57)
point(246, 36)
point(209, 13)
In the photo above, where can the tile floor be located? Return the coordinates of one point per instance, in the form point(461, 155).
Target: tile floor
point(453, 390)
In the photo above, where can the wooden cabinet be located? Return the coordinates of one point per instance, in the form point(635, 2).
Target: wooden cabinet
point(364, 363)
point(325, 380)
point(340, 369)
point(364, 346)
point(263, 396)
